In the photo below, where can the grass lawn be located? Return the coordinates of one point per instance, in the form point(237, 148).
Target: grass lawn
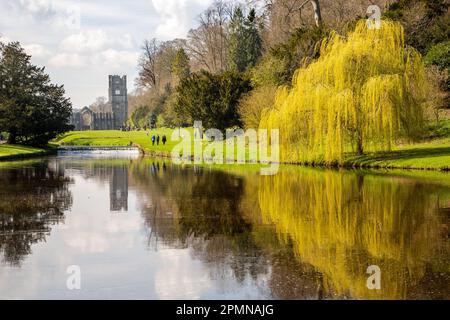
point(430, 155)
point(124, 138)
point(8, 151)
point(118, 138)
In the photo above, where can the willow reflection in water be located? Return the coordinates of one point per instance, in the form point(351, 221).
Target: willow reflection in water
point(335, 224)
point(342, 222)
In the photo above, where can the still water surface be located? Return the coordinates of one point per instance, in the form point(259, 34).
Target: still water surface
point(148, 229)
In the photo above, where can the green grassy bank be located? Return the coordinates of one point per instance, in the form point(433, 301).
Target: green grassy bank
point(428, 155)
point(432, 155)
point(119, 138)
point(10, 152)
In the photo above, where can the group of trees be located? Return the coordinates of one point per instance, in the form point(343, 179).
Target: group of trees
point(201, 77)
point(32, 109)
point(229, 69)
point(265, 41)
point(262, 42)
point(427, 29)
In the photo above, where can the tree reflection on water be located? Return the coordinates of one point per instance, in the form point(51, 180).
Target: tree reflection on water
point(32, 200)
point(301, 234)
point(334, 224)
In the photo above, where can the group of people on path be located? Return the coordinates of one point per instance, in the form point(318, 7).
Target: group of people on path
point(157, 138)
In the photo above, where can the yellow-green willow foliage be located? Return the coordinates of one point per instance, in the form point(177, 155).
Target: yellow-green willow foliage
point(363, 93)
point(341, 223)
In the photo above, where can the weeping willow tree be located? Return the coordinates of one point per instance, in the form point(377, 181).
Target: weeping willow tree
point(363, 93)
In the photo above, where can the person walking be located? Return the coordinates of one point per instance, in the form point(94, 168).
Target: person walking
point(164, 139)
point(157, 139)
point(153, 140)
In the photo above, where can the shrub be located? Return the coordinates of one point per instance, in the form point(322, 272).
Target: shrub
point(253, 103)
point(212, 98)
point(439, 55)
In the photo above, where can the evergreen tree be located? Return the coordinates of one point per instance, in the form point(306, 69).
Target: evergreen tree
point(181, 67)
point(245, 41)
point(253, 41)
point(212, 98)
point(32, 110)
point(238, 48)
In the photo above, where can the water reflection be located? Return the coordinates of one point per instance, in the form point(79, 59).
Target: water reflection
point(341, 222)
point(199, 209)
point(32, 200)
point(335, 224)
point(118, 189)
point(193, 232)
point(114, 172)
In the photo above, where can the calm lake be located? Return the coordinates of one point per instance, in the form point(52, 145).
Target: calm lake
point(148, 229)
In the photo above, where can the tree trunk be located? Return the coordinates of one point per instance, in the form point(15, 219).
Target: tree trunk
point(360, 145)
point(317, 13)
point(12, 138)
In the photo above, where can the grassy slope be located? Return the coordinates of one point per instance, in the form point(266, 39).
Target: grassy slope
point(118, 138)
point(430, 155)
point(8, 151)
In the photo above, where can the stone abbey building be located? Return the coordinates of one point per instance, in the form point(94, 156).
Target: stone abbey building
point(113, 117)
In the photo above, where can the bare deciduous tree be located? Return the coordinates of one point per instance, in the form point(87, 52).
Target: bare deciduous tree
point(165, 60)
point(101, 105)
point(208, 44)
point(156, 62)
point(147, 64)
point(283, 17)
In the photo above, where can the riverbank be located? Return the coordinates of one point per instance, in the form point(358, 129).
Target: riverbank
point(430, 155)
point(12, 152)
point(113, 138)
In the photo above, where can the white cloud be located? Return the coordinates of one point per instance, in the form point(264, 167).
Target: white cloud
point(110, 58)
point(95, 47)
point(175, 16)
point(94, 40)
point(4, 39)
point(36, 6)
point(117, 59)
point(86, 41)
point(37, 51)
point(58, 14)
point(68, 60)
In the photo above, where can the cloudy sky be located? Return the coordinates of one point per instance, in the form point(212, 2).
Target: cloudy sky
point(82, 42)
